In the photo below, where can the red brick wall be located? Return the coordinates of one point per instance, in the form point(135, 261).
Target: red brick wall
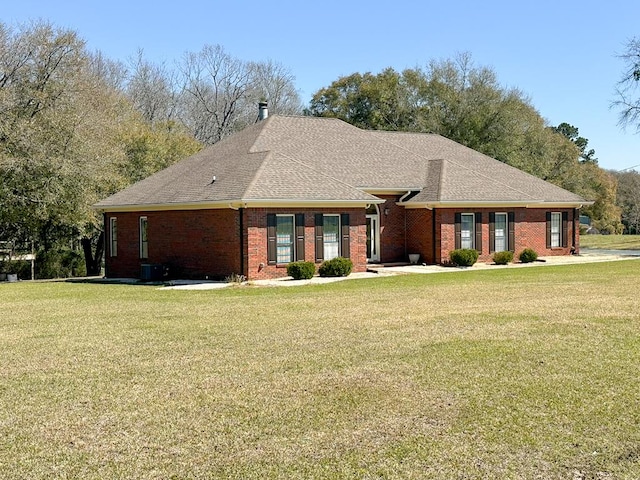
point(255, 222)
point(530, 231)
point(192, 243)
point(420, 234)
point(201, 243)
point(393, 247)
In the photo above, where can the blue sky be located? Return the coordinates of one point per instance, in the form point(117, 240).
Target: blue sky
point(561, 54)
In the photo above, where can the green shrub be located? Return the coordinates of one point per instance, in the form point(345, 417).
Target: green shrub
point(528, 255)
point(464, 257)
point(301, 270)
point(60, 264)
point(336, 267)
point(502, 258)
point(8, 266)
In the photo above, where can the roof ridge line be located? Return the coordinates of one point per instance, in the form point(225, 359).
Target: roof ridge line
point(267, 154)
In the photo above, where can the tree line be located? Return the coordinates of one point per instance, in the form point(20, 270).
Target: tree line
point(465, 103)
point(76, 126)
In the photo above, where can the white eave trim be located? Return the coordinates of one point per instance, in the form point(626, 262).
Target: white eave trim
point(278, 203)
point(235, 204)
point(479, 204)
point(154, 207)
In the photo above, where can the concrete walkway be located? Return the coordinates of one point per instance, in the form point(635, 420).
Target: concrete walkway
point(587, 256)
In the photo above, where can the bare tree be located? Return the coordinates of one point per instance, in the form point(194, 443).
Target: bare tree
point(110, 72)
point(628, 88)
point(152, 90)
point(271, 82)
point(214, 83)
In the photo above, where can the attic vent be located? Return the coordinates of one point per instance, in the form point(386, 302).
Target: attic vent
point(263, 111)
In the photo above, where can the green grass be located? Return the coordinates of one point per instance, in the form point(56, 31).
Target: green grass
point(616, 242)
point(506, 373)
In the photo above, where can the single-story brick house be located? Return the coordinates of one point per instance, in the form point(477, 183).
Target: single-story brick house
point(294, 188)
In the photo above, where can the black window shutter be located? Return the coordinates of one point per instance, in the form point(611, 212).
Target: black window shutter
point(511, 228)
point(548, 229)
point(271, 238)
point(576, 215)
point(299, 236)
point(492, 232)
point(319, 237)
point(458, 242)
point(479, 231)
point(565, 228)
point(344, 225)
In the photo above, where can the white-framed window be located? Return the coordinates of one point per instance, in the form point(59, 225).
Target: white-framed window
point(144, 242)
point(331, 236)
point(501, 232)
point(285, 238)
point(556, 229)
point(467, 230)
point(113, 236)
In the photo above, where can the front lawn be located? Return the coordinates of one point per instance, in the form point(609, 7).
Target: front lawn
point(505, 373)
point(614, 242)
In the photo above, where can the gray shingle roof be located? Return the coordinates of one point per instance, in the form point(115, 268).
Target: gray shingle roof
point(309, 159)
point(470, 176)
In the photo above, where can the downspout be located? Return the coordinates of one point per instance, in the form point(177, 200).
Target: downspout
point(409, 192)
point(433, 234)
point(573, 230)
point(400, 200)
point(106, 242)
point(241, 213)
point(406, 250)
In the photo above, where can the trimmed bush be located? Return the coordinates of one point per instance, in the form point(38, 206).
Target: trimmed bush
point(502, 258)
point(336, 267)
point(528, 255)
point(464, 257)
point(301, 270)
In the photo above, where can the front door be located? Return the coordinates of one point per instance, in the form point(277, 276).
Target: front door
point(373, 238)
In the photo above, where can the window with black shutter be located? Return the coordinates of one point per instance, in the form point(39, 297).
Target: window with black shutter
point(548, 229)
point(300, 236)
point(344, 222)
point(492, 232)
point(512, 231)
point(319, 234)
point(271, 238)
point(478, 226)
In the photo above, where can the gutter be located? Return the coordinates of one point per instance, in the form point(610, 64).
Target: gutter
point(236, 204)
point(485, 204)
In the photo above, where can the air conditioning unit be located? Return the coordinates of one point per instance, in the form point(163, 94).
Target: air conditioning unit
point(150, 272)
